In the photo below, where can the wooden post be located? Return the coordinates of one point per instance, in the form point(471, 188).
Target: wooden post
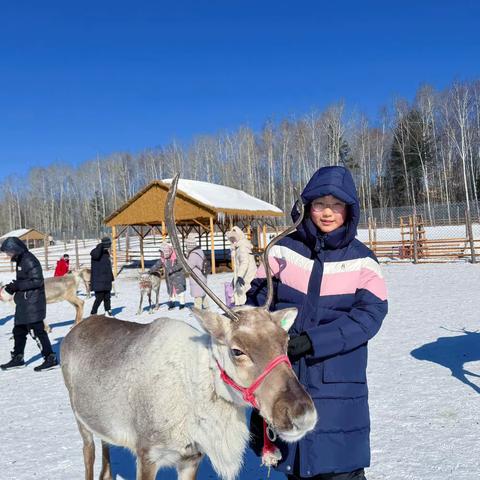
point(415, 242)
point(114, 251)
point(249, 232)
point(264, 236)
point(370, 233)
point(45, 245)
point(142, 258)
point(127, 245)
point(164, 230)
point(468, 223)
point(77, 260)
point(212, 245)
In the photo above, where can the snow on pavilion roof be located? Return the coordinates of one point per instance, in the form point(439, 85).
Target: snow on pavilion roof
point(195, 200)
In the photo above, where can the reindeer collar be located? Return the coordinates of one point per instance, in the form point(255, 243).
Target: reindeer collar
point(248, 393)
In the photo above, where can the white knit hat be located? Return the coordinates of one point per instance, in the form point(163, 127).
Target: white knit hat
point(191, 241)
point(166, 248)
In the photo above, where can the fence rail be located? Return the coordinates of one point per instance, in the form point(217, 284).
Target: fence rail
point(411, 239)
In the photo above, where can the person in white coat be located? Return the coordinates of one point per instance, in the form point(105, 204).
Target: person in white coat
point(243, 262)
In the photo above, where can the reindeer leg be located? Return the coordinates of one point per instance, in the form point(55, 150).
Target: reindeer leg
point(157, 292)
point(187, 468)
point(146, 469)
point(106, 473)
point(88, 451)
point(150, 301)
point(87, 288)
point(78, 305)
point(139, 311)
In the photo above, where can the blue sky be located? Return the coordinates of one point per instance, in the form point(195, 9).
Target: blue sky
point(79, 79)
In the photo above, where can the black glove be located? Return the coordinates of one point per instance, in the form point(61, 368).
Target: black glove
point(299, 346)
point(240, 282)
point(11, 288)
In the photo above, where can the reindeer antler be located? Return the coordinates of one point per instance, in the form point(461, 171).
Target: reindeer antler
point(172, 232)
point(301, 210)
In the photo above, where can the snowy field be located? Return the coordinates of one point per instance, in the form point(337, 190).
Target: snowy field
point(424, 369)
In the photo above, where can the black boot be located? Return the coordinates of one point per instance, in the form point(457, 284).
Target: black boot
point(171, 305)
point(15, 362)
point(182, 305)
point(49, 363)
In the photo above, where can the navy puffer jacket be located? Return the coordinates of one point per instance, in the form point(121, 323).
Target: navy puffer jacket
point(30, 300)
point(336, 283)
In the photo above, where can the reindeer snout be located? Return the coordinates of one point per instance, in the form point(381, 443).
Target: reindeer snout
point(294, 414)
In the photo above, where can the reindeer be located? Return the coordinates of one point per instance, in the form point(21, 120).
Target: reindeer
point(173, 394)
point(58, 289)
point(85, 276)
point(148, 282)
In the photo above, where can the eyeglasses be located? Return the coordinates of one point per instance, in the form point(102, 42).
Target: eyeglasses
point(337, 207)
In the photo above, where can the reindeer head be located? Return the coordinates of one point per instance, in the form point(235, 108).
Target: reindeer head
point(144, 281)
point(250, 346)
point(4, 295)
point(245, 348)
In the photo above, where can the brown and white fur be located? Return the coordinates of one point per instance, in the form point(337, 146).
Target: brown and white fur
point(85, 277)
point(59, 289)
point(148, 282)
point(156, 389)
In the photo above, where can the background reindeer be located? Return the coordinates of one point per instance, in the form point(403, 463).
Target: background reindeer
point(148, 282)
point(85, 275)
point(59, 289)
point(172, 394)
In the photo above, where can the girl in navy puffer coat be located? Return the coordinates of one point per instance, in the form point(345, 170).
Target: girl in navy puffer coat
point(335, 282)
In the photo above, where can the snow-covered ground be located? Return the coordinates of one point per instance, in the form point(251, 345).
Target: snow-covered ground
point(425, 411)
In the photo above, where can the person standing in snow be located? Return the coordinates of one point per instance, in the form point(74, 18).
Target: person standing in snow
point(243, 263)
point(102, 276)
point(30, 305)
point(337, 286)
point(196, 261)
point(174, 275)
point(63, 266)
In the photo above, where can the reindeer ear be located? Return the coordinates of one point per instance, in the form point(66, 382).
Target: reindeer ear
point(218, 326)
point(285, 318)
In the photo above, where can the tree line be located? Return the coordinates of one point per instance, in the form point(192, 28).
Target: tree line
point(424, 151)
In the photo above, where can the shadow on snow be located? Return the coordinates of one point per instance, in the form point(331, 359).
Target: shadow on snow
point(453, 353)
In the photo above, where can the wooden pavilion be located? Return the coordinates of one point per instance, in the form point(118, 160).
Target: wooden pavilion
point(30, 236)
point(199, 206)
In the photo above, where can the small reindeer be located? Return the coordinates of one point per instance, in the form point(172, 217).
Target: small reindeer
point(173, 394)
point(147, 283)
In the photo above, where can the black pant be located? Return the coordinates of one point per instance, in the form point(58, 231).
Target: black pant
point(356, 475)
point(99, 298)
point(20, 333)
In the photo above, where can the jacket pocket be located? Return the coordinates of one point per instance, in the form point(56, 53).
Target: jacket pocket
point(350, 367)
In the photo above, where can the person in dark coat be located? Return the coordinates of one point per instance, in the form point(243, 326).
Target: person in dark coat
point(30, 305)
point(63, 266)
point(101, 276)
point(336, 283)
